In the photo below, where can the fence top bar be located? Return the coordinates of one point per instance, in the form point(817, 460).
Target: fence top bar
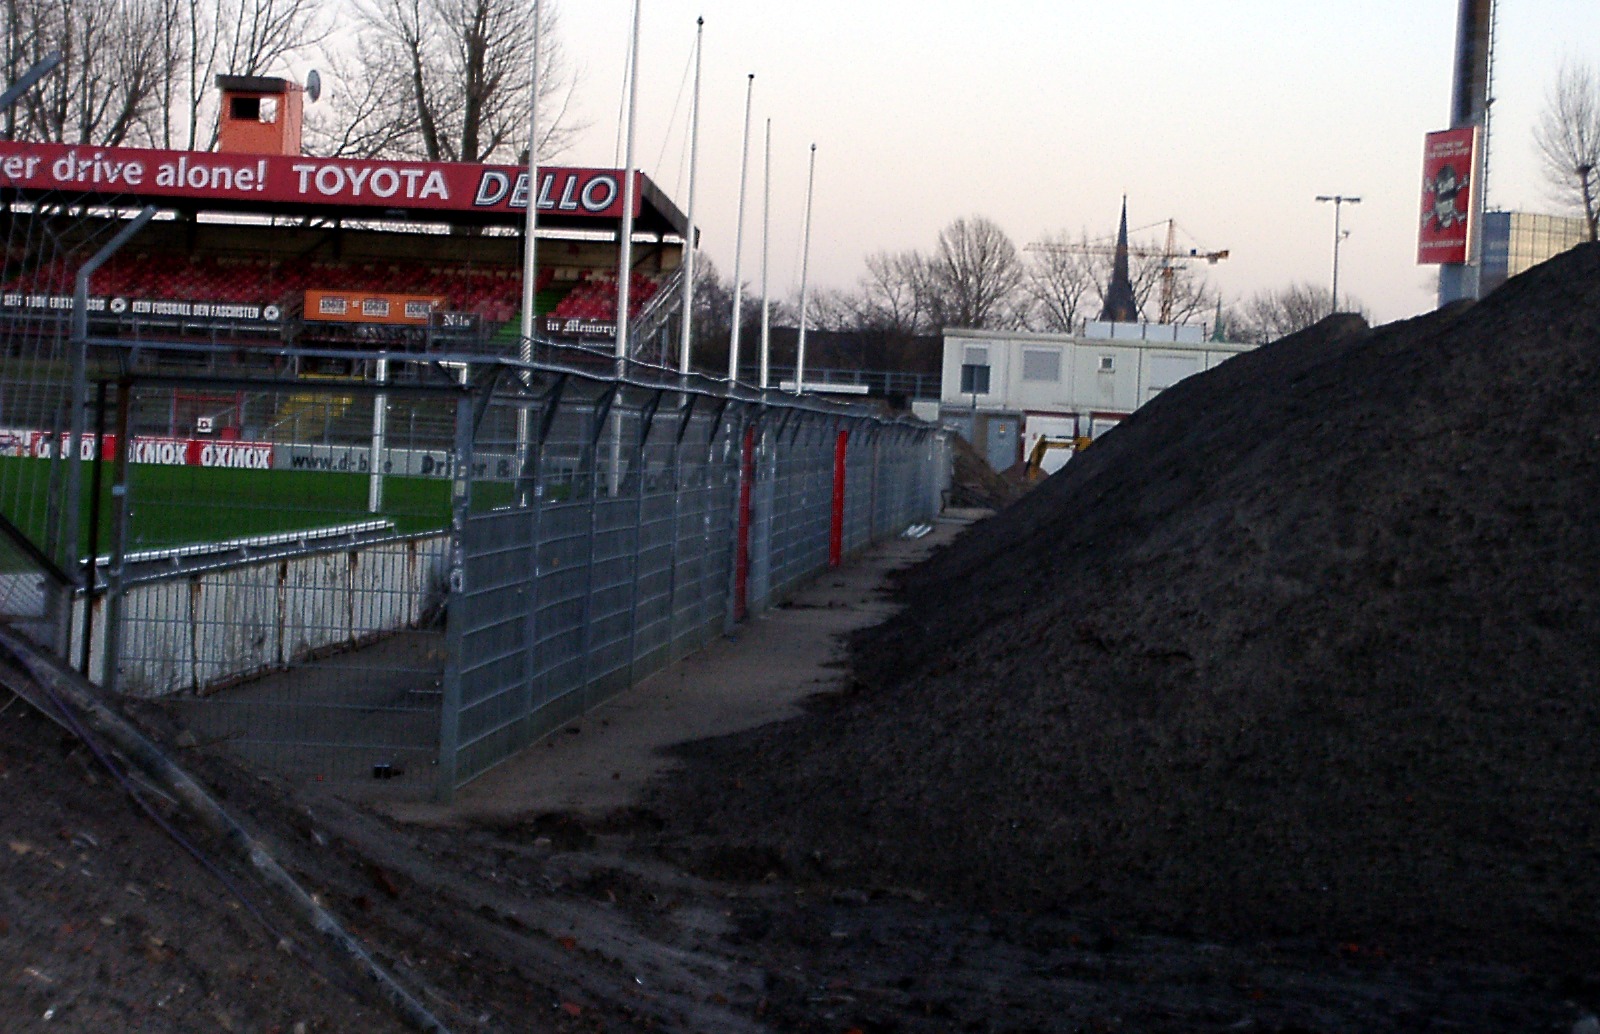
point(763, 400)
point(149, 572)
point(290, 384)
point(243, 545)
point(671, 381)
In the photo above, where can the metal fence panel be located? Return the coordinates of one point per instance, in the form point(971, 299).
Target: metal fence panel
point(415, 569)
point(264, 589)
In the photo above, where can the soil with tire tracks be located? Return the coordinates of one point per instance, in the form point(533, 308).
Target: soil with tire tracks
point(1274, 711)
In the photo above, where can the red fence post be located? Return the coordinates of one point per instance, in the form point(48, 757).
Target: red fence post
point(836, 528)
point(741, 570)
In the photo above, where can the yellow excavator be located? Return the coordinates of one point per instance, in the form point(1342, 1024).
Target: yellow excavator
point(1034, 471)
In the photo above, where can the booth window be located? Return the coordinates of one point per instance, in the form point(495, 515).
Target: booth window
point(253, 109)
point(975, 371)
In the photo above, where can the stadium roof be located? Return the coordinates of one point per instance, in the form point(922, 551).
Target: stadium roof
point(459, 193)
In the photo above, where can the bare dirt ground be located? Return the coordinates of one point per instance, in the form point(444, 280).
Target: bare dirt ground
point(543, 902)
point(1274, 711)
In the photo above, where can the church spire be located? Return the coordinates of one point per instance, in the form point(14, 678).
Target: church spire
point(1120, 306)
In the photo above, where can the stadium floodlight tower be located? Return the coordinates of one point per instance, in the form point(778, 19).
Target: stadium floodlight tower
point(1469, 107)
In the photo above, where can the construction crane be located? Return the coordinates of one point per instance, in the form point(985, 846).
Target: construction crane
point(1171, 257)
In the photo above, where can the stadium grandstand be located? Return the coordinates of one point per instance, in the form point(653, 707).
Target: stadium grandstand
point(256, 243)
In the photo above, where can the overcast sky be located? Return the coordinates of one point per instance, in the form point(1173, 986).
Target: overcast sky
point(1228, 116)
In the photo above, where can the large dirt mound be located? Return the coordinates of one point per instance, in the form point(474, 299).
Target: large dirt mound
point(1308, 646)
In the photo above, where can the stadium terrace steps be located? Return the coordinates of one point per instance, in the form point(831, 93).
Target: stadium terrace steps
point(494, 294)
point(309, 416)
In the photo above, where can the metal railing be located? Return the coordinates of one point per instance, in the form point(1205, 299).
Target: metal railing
point(877, 383)
point(422, 593)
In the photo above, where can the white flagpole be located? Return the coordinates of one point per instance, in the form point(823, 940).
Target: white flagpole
point(625, 261)
point(530, 263)
point(530, 256)
point(805, 266)
point(738, 236)
point(687, 322)
point(766, 303)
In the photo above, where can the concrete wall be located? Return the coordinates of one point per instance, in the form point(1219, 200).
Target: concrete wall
point(196, 631)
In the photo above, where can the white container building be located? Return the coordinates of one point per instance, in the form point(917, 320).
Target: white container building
point(1002, 390)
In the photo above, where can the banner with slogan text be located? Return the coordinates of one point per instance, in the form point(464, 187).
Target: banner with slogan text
point(244, 179)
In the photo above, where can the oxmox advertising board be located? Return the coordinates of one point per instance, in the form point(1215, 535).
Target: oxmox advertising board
point(247, 180)
point(1448, 161)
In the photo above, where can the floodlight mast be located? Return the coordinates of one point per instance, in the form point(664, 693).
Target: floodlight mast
point(1469, 106)
point(1339, 234)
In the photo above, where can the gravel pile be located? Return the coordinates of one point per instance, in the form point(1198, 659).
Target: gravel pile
point(1307, 647)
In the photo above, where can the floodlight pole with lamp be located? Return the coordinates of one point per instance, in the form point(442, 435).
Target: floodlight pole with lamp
point(1339, 200)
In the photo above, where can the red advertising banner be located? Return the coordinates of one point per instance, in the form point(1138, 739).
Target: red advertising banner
point(173, 452)
point(244, 179)
point(1445, 235)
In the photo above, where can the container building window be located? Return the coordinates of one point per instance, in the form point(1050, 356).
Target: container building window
point(1041, 364)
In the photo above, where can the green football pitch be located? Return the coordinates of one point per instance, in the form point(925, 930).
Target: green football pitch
point(173, 505)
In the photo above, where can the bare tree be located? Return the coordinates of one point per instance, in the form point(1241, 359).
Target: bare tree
point(1062, 276)
point(974, 276)
point(1069, 277)
point(713, 318)
point(1191, 294)
point(1270, 315)
point(1568, 141)
point(892, 295)
point(357, 116)
point(833, 309)
point(891, 298)
point(454, 73)
point(108, 85)
point(142, 70)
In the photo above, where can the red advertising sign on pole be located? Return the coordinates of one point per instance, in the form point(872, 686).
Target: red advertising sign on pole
point(1445, 234)
point(244, 179)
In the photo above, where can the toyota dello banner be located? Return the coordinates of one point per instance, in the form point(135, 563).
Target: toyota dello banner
point(244, 179)
point(1445, 234)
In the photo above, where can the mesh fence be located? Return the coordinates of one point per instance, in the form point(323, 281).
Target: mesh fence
point(34, 593)
point(454, 562)
point(44, 366)
point(284, 592)
point(347, 564)
point(630, 525)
